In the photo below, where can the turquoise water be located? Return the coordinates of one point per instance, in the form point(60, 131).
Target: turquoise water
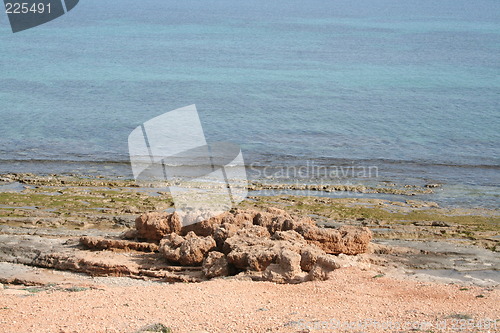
point(412, 87)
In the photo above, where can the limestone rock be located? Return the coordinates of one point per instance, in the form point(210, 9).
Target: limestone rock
point(101, 243)
point(346, 239)
point(286, 269)
point(256, 257)
point(154, 226)
point(309, 255)
point(189, 250)
point(324, 265)
point(223, 232)
point(254, 249)
point(129, 234)
point(270, 245)
point(215, 265)
point(289, 235)
point(236, 218)
point(204, 228)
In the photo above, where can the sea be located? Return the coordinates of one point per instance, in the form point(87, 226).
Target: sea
point(410, 89)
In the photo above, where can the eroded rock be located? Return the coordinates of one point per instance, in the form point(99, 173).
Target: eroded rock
point(346, 239)
point(285, 257)
point(323, 267)
point(215, 265)
point(154, 226)
point(276, 246)
point(309, 255)
point(189, 250)
point(101, 243)
point(286, 269)
point(272, 245)
point(237, 219)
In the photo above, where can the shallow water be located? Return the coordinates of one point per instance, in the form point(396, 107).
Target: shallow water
point(410, 88)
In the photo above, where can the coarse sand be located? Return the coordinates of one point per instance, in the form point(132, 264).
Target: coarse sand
point(351, 301)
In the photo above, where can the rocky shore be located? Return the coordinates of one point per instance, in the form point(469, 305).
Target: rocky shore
point(60, 233)
point(89, 203)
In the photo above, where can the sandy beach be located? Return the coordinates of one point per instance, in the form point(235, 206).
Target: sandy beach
point(351, 301)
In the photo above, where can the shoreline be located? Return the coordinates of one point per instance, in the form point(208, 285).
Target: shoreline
point(442, 193)
point(423, 257)
point(459, 185)
point(33, 199)
point(90, 203)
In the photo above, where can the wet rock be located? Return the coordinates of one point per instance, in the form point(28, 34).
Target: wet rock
point(154, 226)
point(421, 204)
point(432, 224)
point(215, 265)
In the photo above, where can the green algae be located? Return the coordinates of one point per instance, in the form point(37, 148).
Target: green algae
point(79, 202)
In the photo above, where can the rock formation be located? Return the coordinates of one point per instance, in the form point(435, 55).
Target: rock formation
point(154, 226)
point(189, 250)
point(271, 245)
point(215, 265)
